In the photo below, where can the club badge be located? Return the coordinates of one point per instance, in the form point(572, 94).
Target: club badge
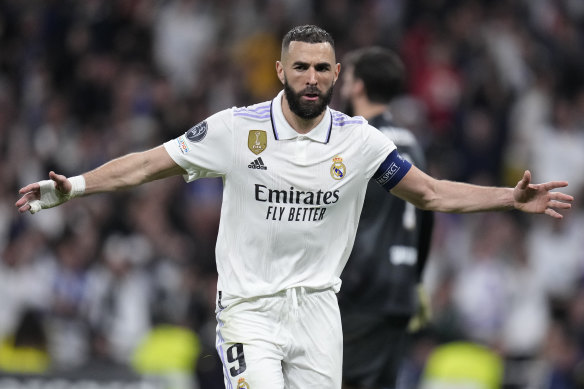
point(197, 133)
point(338, 169)
point(241, 384)
point(257, 141)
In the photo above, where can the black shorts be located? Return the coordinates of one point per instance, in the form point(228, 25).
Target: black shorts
point(373, 349)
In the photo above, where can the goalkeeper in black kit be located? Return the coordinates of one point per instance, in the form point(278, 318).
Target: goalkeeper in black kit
point(382, 294)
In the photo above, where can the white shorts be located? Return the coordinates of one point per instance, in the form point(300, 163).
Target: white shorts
point(290, 340)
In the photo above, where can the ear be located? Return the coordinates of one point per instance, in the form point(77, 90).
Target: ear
point(280, 71)
point(337, 72)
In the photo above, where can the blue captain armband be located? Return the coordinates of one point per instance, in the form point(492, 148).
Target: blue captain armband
point(392, 170)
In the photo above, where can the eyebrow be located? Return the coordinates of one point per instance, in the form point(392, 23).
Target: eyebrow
point(317, 65)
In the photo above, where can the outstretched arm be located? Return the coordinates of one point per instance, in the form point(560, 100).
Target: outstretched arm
point(125, 172)
point(447, 196)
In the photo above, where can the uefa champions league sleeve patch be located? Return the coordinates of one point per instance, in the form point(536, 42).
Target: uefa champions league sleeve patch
point(198, 132)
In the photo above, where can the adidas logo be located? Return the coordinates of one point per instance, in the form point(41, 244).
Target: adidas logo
point(257, 164)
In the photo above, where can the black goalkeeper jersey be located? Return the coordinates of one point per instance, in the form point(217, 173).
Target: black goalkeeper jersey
point(392, 242)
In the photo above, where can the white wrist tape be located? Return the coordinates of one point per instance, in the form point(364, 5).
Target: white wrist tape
point(51, 197)
point(77, 186)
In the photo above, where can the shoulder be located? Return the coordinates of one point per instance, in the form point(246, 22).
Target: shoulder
point(340, 119)
point(357, 129)
point(256, 112)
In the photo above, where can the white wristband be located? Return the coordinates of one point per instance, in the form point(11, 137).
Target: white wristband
point(77, 186)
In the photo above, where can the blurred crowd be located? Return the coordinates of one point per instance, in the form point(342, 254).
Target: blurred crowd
point(494, 87)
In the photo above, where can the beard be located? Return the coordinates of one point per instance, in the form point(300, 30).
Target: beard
point(307, 109)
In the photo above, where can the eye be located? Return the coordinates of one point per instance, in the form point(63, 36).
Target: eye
point(300, 67)
point(324, 67)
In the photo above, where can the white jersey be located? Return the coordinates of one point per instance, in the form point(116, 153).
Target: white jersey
point(291, 202)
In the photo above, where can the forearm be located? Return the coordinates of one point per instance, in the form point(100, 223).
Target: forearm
point(428, 193)
point(125, 172)
point(130, 170)
point(458, 197)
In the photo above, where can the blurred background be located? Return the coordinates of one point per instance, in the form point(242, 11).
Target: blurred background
point(120, 288)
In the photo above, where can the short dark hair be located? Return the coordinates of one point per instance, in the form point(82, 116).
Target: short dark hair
point(380, 69)
point(307, 33)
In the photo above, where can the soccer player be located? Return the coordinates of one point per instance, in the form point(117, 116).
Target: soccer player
point(382, 278)
point(295, 174)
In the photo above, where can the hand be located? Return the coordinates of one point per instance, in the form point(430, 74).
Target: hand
point(423, 315)
point(538, 198)
point(44, 194)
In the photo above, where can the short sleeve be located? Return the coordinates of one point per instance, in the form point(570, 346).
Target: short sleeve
point(376, 149)
point(206, 149)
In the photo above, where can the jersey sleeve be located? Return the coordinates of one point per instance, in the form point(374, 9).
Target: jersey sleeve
point(206, 149)
point(388, 166)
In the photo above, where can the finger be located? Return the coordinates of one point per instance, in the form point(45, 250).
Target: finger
point(559, 205)
point(59, 179)
point(26, 202)
point(525, 180)
point(24, 208)
point(26, 198)
point(30, 188)
point(561, 196)
point(34, 206)
point(22, 201)
point(56, 177)
point(555, 184)
point(553, 213)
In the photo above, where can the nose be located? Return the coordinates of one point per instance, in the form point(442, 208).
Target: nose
point(311, 77)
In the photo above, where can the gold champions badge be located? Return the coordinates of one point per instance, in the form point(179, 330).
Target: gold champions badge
point(257, 141)
point(241, 384)
point(338, 169)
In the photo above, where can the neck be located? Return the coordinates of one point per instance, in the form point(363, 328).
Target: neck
point(300, 125)
point(368, 109)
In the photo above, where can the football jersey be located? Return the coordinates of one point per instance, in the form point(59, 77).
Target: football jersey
point(291, 202)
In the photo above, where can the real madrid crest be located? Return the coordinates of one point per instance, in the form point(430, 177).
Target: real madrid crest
point(241, 384)
point(338, 169)
point(257, 141)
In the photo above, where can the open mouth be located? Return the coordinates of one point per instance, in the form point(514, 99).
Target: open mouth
point(311, 96)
